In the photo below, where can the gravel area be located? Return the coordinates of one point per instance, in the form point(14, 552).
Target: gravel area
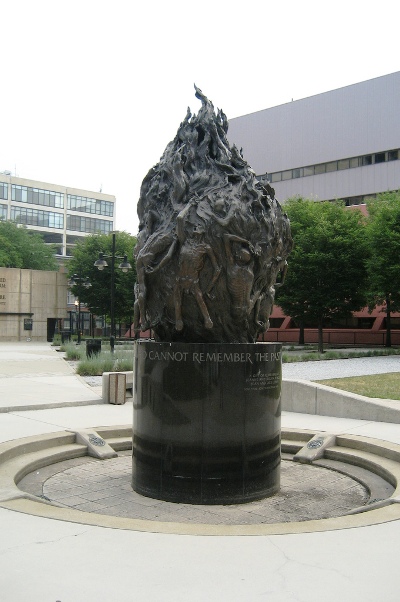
point(359, 366)
point(92, 381)
point(319, 370)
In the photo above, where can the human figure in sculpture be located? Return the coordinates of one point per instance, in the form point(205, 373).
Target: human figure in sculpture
point(240, 275)
point(266, 300)
point(192, 256)
point(158, 244)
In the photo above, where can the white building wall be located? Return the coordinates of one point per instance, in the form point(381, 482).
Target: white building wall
point(342, 184)
point(353, 121)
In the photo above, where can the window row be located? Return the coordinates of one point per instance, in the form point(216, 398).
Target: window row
point(36, 217)
point(3, 191)
point(37, 196)
point(88, 224)
point(359, 200)
point(86, 205)
point(3, 211)
point(321, 168)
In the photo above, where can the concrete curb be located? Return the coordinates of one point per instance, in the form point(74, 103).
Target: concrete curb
point(306, 397)
point(51, 405)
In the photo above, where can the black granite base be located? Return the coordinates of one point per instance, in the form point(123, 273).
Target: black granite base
point(206, 424)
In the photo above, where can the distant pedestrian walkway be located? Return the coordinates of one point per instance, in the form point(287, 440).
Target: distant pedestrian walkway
point(35, 375)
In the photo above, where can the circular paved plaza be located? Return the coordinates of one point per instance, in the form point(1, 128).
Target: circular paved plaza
point(104, 487)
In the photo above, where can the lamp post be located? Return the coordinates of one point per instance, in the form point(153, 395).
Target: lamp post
point(78, 322)
point(125, 266)
point(79, 282)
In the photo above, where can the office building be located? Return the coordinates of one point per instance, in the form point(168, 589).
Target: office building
point(32, 304)
point(343, 144)
point(62, 215)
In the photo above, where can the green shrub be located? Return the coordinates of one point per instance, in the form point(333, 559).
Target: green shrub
point(120, 361)
point(74, 352)
point(56, 340)
point(123, 361)
point(95, 365)
point(337, 355)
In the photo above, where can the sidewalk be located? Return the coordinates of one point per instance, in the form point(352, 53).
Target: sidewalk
point(35, 375)
point(47, 560)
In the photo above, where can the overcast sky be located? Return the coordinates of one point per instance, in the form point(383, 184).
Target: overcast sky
point(92, 91)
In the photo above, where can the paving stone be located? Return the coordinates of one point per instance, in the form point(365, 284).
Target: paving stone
point(104, 486)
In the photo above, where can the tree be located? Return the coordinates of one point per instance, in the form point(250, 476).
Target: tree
point(384, 261)
point(25, 249)
point(327, 273)
point(98, 296)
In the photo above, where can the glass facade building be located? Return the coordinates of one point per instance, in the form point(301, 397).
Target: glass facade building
point(62, 215)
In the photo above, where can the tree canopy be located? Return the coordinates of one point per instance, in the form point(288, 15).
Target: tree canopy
point(384, 260)
point(25, 249)
point(97, 297)
point(327, 275)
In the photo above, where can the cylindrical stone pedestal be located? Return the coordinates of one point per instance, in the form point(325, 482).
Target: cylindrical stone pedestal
point(206, 422)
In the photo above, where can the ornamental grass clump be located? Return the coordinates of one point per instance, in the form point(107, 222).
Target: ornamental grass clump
point(73, 352)
point(120, 361)
point(95, 365)
point(123, 360)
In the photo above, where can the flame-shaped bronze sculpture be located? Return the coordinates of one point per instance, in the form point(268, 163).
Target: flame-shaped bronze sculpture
point(212, 239)
point(213, 242)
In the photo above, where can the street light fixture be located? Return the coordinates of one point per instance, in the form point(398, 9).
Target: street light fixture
point(79, 282)
point(125, 266)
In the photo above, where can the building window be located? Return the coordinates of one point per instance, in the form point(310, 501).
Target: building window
point(367, 160)
point(86, 205)
point(3, 191)
point(36, 217)
point(3, 211)
point(344, 164)
point(276, 177)
point(379, 157)
point(355, 162)
point(88, 224)
point(37, 196)
point(331, 166)
point(321, 168)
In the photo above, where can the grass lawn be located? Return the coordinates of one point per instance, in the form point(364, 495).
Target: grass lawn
point(384, 386)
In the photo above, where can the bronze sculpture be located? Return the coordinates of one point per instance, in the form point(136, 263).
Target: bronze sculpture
point(212, 247)
point(212, 239)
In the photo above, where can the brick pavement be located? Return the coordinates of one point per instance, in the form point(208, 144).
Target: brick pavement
point(104, 487)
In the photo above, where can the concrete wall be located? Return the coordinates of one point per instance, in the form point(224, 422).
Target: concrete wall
point(305, 397)
point(30, 294)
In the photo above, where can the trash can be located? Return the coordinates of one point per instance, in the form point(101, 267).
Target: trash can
point(117, 388)
point(93, 347)
point(65, 336)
